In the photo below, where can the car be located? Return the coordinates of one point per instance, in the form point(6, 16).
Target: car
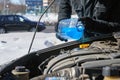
point(18, 23)
point(100, 60)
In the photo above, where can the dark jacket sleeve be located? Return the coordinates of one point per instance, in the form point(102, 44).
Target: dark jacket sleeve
point(102, 26)
point(108, 19)
point(65, 10)
point(106, 27)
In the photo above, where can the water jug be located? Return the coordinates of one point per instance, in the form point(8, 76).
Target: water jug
point(71, 29)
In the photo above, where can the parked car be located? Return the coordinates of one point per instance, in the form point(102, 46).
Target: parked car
point(18, 23)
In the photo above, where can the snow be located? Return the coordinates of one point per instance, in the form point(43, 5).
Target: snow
point(14, 45)
point(50, 17)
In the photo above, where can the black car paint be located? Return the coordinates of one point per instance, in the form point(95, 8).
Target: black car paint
point(18, 23)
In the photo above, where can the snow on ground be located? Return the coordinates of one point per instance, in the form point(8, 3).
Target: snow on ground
point(16, 44)
point(49, 17)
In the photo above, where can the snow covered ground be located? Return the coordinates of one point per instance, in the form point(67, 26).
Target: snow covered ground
point(16, 44)
point(50, 17)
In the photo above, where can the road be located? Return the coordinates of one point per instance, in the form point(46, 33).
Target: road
point(49, 29)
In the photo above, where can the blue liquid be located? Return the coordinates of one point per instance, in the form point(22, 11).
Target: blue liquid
point(73, 33)
point(71, 29)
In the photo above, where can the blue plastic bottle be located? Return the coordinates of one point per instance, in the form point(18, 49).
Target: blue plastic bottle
point(71, 29)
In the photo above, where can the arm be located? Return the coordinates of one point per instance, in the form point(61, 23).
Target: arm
point(107, 20)
point(100, 25)
point(107, 27)
point(65, 10)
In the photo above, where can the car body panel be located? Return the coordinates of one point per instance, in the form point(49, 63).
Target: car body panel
point(33, 60)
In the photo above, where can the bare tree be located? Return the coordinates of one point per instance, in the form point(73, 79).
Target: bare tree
point(6, 7)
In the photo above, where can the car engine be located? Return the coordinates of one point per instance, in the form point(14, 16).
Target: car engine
point(84, 64)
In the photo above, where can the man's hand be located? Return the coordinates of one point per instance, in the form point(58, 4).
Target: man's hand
point(61, 38)
point(88, 23)
point(58, 36)
point(56, 27)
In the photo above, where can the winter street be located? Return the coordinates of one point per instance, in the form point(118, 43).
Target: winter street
point(16, 44)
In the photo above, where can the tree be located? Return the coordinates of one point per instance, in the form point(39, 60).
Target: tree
point(6, 7)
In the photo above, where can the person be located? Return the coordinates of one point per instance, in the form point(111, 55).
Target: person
point(102, 16)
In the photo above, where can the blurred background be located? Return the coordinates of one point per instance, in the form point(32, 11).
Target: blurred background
point(34, 7)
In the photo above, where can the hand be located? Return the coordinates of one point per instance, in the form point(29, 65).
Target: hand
point(57, 33)
point(88, 23)
point(60, 38)
point(56, 27)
